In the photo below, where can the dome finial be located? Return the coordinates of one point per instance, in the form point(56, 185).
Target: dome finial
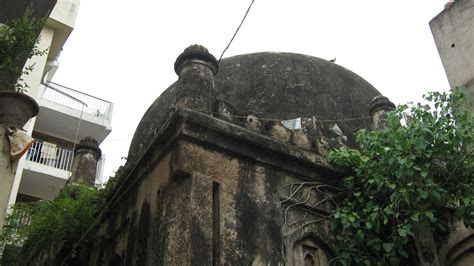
point(195, 53)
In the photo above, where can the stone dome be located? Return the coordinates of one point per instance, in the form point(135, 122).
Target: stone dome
point(277, 86)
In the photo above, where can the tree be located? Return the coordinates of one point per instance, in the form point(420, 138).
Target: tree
point(53, 227)
point(414, 172)
point(18, 41)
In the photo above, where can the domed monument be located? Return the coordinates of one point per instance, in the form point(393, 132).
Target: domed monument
point(227, 166)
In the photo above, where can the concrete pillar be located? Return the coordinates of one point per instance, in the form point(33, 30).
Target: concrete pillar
point(7, 173)
point(379, 106)
point(84, 166)
point(196, 69)
point(454, 37)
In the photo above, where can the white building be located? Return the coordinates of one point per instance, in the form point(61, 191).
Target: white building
point(453, 32)
point(65, 116)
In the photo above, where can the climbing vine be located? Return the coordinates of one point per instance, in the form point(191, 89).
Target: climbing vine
point(416, 170)
point(312, 199)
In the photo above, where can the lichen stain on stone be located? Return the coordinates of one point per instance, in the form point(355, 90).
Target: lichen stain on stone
point(200, 252)
point(260, 186)
point(224, 170)
point(300, 139)
point(255, 221)
point(131, 241)
point(280, 132)
point(143, 234)
point(253, 123)
point(247, 214)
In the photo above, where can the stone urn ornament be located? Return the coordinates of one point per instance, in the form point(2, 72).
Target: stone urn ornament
point(16, 108)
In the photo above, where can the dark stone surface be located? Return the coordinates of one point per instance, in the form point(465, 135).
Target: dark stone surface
point(132, 240)
point(143, 234)
point(248, 215)
point(380, 102)
point(275, 86)
point(16, 108)
point(84, 165)
point(195, 52)
point(180, 150)
point(88, 144)
point(163, 212)
point(196, 69)
point(258, 226)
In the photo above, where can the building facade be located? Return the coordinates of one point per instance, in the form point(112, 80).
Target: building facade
point(227, 166)
point(66, 116)
point(453, 32)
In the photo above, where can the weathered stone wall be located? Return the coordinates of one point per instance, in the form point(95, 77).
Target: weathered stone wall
point(458, 248)
point(453, 32)
point(84, 165)
point(127, 234)
point(250, 221)
point(213, 205)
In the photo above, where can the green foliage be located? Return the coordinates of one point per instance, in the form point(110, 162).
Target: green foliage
point(55, 225)
point(18, 41)
point(415, 169)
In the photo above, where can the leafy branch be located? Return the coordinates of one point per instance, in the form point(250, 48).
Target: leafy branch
point(18, 41)
point(53, 226)
point(411, 172)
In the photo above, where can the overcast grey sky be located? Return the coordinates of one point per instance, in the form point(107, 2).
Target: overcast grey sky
point(124, 51)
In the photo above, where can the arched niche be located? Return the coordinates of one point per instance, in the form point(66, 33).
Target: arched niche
point(462, 254)
point(310, 252)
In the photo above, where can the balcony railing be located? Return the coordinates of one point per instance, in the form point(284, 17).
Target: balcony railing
point(53, 155)
point(13, 224)
point(77, 100)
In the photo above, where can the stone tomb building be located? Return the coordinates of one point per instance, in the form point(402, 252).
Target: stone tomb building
point(227, 166)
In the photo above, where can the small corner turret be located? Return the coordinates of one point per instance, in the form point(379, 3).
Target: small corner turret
point(196, 69)
point(379, 106)
point(84, 166)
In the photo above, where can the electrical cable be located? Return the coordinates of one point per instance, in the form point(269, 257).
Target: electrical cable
point(318, 121)
point(236, 31)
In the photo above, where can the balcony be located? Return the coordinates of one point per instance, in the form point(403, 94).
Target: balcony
point(51, 155)
point(46, 170)
point(65, 112)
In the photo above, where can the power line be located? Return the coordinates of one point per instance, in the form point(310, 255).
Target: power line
point(319, 121)
point(235, 33)
point(127, 139)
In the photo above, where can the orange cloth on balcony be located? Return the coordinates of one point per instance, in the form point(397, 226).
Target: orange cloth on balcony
point(20, 142)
